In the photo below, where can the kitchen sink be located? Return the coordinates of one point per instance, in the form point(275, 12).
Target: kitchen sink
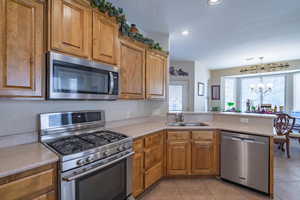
point(186, 124)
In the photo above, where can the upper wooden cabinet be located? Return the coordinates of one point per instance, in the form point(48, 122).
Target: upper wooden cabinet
point(132, 70)
point(105, 39)
point(156, 66)
point(70, 24)
point(21, 48)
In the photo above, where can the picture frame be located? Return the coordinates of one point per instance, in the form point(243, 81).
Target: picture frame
point(201, 89)
point(215, 92)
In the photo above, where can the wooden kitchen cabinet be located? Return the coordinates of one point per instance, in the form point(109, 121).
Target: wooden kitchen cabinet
point(36, 184)
point(138, 168)
point(70, 24)
point(105, 38)
point(148, 161)
point(156, 66)
point(178, 157)
point(153, 158)
point(132, 70)
point(21, 48)
point(205, 153)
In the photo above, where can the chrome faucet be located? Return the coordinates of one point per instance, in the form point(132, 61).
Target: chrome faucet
point(179, 117)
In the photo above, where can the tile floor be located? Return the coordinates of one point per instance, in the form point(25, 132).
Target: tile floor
point(287, 184)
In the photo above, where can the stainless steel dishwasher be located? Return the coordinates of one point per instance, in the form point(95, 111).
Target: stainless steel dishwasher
point(245, 160)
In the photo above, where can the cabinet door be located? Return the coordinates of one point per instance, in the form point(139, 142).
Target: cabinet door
point(178, 157)
point(105, 39)
point(70, 27)
point(138, 173)
point(153, 175)
point(155, 76)
point(132, 70)
point(153, 156)
point(202, 157)
point(21, 48)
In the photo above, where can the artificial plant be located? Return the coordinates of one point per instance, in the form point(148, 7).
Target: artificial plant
point(107, 7)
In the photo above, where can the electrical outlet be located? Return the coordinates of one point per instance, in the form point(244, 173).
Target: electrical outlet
point(244, 120)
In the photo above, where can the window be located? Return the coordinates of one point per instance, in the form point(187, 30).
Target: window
point(229, 91)
point(246, 92)
point(296, 106)
point(175, 98)
point(275, 97)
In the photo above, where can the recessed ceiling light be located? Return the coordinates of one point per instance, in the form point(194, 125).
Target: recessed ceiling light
point(185, 32)
point(214, 2)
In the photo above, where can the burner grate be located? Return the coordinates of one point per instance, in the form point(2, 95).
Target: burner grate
point(70, 145)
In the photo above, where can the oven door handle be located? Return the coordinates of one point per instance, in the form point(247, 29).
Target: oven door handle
point(112, 83)
point(71, 178)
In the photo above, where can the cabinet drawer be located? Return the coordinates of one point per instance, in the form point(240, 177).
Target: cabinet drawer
point(138, 145)
point(24, 187)
point(153, 140)
point(178, 135)
point(153, 175)
point(153, 156)
point(203, 135)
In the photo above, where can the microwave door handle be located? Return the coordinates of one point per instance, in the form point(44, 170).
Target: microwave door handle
point(111, 84)
point(71, 178)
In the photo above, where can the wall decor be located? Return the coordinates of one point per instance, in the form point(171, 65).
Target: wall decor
point(215, 92)
point(108, 8)
point(201, 88)
point(177, 71)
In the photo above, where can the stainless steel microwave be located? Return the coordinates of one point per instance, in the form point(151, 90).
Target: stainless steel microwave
point(74, 78)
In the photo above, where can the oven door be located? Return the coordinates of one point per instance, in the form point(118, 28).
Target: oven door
point(109, 182)
point(74, 78)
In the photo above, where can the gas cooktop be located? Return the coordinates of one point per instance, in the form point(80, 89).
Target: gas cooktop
point(79, 143)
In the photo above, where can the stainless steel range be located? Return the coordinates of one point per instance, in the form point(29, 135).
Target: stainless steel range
point(95, 164)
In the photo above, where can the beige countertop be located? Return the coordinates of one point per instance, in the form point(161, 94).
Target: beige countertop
point(20, 158)
point(272, 116)
point(152, 125)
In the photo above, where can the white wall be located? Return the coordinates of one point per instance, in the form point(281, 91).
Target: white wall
point(202, 74)
point(189, 67)
point(19, 119)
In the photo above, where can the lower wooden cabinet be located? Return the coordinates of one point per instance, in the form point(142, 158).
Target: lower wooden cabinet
point(205, 153)
point(138, 173)
point(36, 184)
point(178, 157)
point(153, 175)
point(147, 162)
point(202, 157)
point(173, 154)
point(192, 153)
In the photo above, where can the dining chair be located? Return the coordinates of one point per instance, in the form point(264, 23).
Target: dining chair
point(283, 124)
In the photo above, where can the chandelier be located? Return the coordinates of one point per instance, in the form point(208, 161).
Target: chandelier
point(261, 88)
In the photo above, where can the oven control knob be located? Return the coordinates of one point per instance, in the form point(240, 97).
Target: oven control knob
point(89, 159)
point(80, 162)
point(106, 153)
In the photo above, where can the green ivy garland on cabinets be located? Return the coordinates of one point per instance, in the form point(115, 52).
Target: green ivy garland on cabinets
point(107, 7)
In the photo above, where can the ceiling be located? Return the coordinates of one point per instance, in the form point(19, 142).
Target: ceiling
point(225, 35)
